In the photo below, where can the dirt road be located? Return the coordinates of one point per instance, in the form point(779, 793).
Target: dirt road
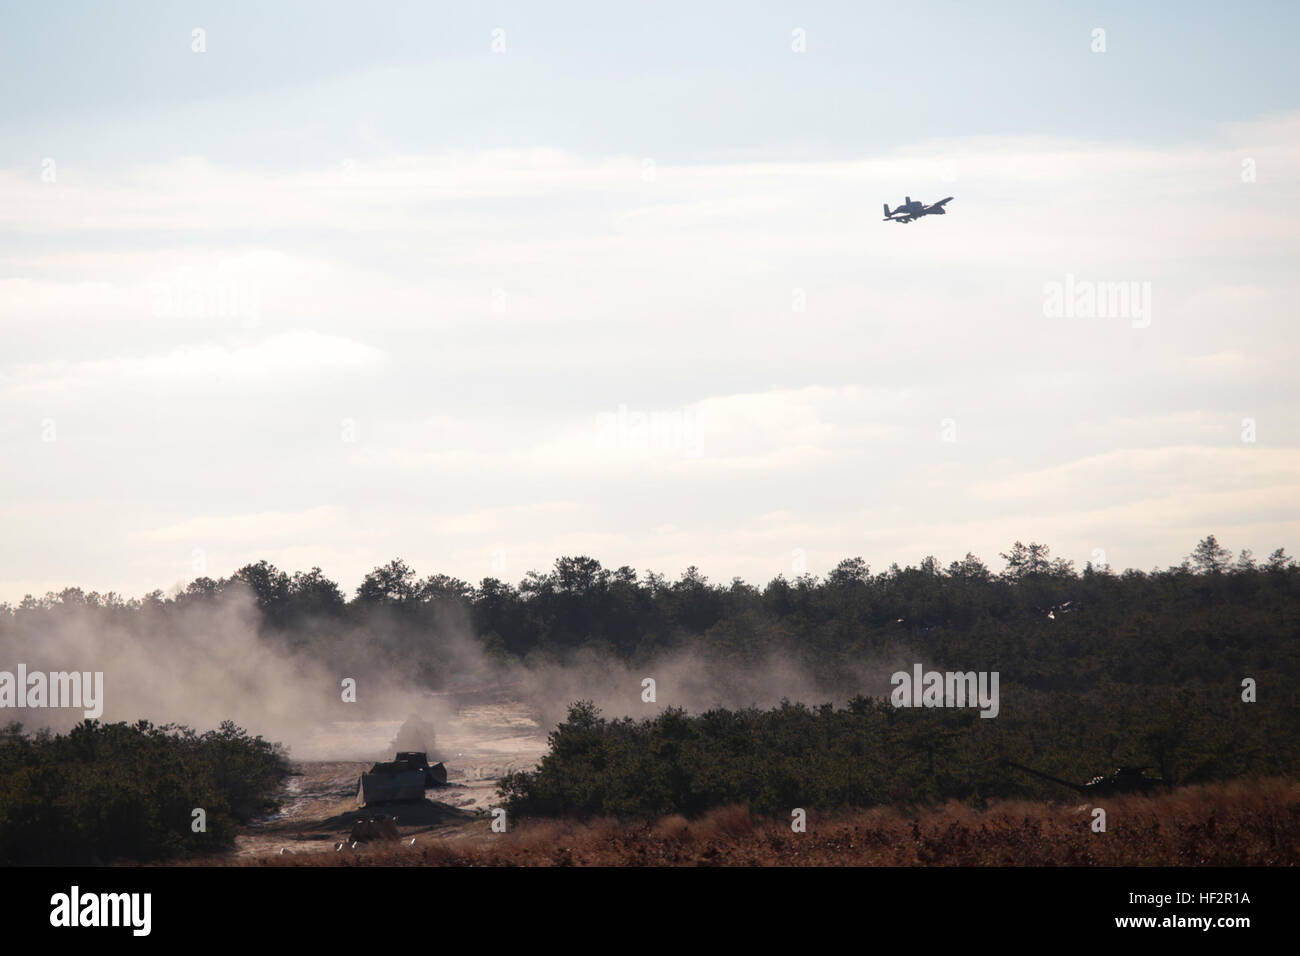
point(485, 737)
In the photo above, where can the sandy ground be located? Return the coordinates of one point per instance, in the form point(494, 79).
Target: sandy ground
point(485, 738)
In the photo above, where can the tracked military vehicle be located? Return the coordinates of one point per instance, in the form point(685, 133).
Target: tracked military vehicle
point(402, 779)
point(1120, 781)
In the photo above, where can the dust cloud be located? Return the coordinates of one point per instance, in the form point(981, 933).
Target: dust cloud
point(691, 680)
point(202, 663)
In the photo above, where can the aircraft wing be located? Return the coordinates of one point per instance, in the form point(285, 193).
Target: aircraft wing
point(940, 204)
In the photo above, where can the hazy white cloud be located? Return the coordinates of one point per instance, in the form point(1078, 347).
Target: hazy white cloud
point(279, 358)
point(269, 526)
point(1147, 473)
point(719, 364)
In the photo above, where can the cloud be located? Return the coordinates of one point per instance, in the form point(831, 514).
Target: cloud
point(714, 365)
point(272, 359)
point(1149, 473)
point(267, 526)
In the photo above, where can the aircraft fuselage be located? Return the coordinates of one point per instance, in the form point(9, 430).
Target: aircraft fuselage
point(911, 209)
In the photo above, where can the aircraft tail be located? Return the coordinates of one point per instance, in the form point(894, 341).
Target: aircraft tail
point(886, 210)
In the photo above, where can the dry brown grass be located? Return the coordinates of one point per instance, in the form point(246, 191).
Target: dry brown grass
point(1253, 823)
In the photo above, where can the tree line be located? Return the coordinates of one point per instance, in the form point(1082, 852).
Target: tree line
point(1208, 618)
point(104, 792)
point(1097, 668)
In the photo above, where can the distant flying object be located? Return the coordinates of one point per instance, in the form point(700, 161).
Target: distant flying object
point(914, 210)
point(1062, 608)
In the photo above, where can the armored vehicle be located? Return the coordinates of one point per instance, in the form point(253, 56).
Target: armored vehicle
point(1120, 780)
point(401, 779)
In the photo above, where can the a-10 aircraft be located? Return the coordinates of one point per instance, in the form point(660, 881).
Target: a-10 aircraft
point(914, 210)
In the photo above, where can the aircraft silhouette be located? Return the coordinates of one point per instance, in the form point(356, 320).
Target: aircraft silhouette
point(910, 210)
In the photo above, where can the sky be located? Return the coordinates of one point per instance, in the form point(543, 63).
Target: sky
point(478, 286)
